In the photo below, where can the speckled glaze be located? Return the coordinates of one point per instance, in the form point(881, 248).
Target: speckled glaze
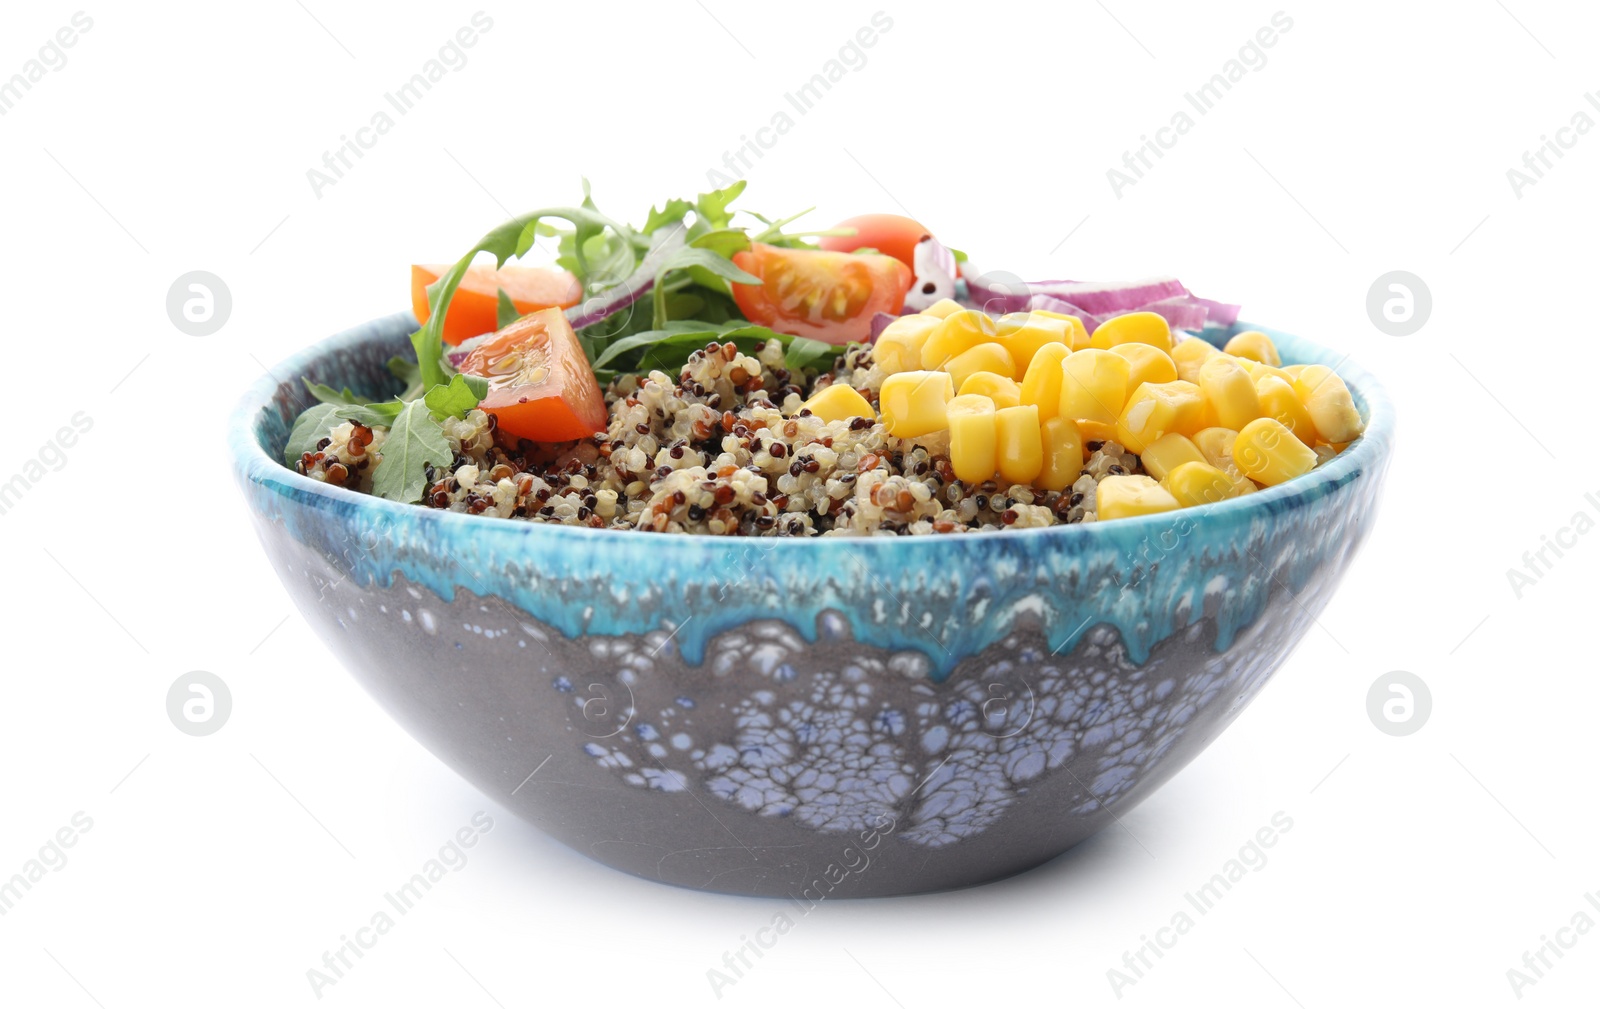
point(808, 718)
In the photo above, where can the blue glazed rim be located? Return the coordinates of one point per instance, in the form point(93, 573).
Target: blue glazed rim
point(644, 563)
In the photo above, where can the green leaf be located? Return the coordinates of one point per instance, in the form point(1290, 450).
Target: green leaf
point(505, 312)
point(723, 241)
point(405, 371)
point(453, 400)
point(683, 259)
point(415, 441)
point(804, 352)
point(712, 207)
point(371, 414)
point(671, 212)
point(961, 257)
point(327, 394)
point(309, 428)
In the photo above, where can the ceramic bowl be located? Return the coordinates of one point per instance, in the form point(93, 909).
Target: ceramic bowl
point(825, 718)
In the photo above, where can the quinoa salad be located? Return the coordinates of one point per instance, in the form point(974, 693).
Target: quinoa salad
point(693, 377)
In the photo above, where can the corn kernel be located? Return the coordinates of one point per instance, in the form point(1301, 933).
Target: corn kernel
point(1041, 385)
point(1167, 453)
point(1147, 363)
point(1257, 371)
point(914, 402)
point(1002, 390)
point(958, 333)
point(1021, 445)
point(1063, 453)
point(1199, 483)
point(1231, 399)
point(973, 439)
point(1216, 444)
point(943, 308)
point(1078, 332)
point(1023, 333)
point(990, 357)
point(1293, 371)
point(1095, 430)
point(1328, 401)
point(899, 346)
point(1120, 497)
point(1269, 453)
point(1094, 386)
point(1134, 327)
point(1157, 408)
point(1255, 345)
point(1189, 354)
point(839, 402)
point(1279, 402)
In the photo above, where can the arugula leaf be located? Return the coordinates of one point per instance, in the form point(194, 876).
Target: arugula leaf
point(505, 312)
point(453, 400)
point(712, 208)
point(405, 371)
point(671, 212)
point(371, 414)
point(690, 256)
point(804, 352)
point(723, 241)
point(311, 427)
point(327, 394)
point(415, 440)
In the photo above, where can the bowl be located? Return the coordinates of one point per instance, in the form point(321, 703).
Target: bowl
point(823, 718)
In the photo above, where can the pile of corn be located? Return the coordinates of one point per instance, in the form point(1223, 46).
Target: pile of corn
point(1022, 395)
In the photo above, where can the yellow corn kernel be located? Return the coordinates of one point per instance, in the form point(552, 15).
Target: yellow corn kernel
point(1199, 483)
point(1063, 453)
point(973, 439)
point(914, 402)
point(1156, 408)
point(1041, 385)
point(1021, 447)
point(1269, 453)
point(943, 308)
point(1189, 354)
point(1094, 386)
point(1075, 326)
point(1216, 444)
point(1293, 371)
point(1257, 371)
point(990, 357)
point(1135, 327)
point(839, 402)
point(1279, 402)
point(1023, 333)
point(1119, 497)
point(1147, 363)
point(1231, 399)
point(1167, 453)
point(1328, 401)
point(899, 346)
point(958, 333)
point(1095, 430)
point(1255, 345)
point(1003, 391)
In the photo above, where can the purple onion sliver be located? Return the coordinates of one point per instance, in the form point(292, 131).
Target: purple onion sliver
point(880, 322)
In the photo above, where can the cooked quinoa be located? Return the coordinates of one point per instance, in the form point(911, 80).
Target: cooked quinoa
point(726, 448)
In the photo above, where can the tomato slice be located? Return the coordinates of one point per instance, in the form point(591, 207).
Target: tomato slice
point(540, 384)
point(890, 234)
point(474, 309)
point(828, 296)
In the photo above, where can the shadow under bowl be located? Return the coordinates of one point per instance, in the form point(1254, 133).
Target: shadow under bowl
point(822, 718)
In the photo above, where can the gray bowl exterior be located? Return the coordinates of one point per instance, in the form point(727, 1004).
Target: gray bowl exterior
point(810, 719)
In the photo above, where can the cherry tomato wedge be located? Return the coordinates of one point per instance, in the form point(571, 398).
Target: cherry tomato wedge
point(540, 385)
point(890, 234)
point(828, 296)
point(473, 310)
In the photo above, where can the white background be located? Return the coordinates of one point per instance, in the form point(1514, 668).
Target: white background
point(1377, 137)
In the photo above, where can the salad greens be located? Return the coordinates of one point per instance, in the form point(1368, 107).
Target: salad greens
point(690, 305)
